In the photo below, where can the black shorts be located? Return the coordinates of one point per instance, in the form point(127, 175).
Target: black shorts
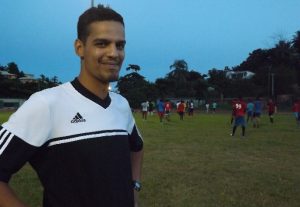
point(256, 114)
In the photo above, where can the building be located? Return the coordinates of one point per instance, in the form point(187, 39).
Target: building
point(11, 103)
point(239, 74)
point(8, 75)
point(28, 78)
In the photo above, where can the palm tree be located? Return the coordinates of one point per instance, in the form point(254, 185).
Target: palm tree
point(133, 67)
point(296, 41)
point(179, 71)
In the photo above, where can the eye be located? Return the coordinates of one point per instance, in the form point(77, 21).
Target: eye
point(120, 45)
point(101, 44)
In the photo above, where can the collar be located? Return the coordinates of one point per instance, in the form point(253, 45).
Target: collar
point(86, 93)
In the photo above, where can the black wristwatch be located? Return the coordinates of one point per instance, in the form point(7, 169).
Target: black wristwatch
point(136, 185)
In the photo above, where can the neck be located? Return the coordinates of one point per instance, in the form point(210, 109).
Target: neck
point(95, 86)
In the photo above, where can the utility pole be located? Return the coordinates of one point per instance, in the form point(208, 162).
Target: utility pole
point(272, 75)
point(269, 73)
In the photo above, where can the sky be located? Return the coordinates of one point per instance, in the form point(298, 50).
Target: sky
point(38, 35)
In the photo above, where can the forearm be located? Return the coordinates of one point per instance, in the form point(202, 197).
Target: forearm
point(8, 197)
point(136, 162)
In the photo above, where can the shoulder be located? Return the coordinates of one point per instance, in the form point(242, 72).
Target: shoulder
point(118, 98)
point(52, 93)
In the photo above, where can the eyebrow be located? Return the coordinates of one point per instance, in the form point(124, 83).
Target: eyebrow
point(107, 40)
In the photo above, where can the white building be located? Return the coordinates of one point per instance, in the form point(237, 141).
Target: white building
point(28, 78)
point(239, 74)
point(8, 75)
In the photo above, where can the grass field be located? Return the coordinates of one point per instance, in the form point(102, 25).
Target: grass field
point(195, 163)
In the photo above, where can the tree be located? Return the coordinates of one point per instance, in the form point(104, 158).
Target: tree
point(179, 71)
point(296, 41)
point(284, 66)
point(178, 78)
point(196, 84)
point(165, 87)
point(135, 88)
point(296, 46)
point(218, 80)
point(133, 67)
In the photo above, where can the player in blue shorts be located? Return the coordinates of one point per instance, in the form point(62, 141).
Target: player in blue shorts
point(240, 110)
point(250, 107)
point(258, 105)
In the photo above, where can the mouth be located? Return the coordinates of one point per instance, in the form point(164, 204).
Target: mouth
point(110, 64)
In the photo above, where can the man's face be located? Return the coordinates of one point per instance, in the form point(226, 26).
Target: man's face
point(103, 52)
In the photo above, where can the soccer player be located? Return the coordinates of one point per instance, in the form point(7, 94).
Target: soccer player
point(181, 109)
point(167, 110)
point(271, 110)
point(250, 107)
point(296, 110)
point(232, 110)
point(207, 107)
point(80, 138)
point(151, 107)
point(240, 110)
point(214, 106)
point(145, 106)
point(160, 110)
point(257, 112)
point(191, 108)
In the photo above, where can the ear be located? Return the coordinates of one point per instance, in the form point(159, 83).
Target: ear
point(79, 47)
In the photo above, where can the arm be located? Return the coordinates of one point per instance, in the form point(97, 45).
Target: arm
point(8, 197)
point(136, 162)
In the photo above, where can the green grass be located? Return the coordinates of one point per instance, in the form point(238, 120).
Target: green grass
point(195, 163)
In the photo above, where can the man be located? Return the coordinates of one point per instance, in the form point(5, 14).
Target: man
point(214, 106)
point(181, 109)
point(161, 110)
point(80, 138)
point(232, 110)
point(207, 107)
point(250, 107)
point(296, 111)
point(145, 106)
point(167, 110)
point(191, 108)
point(257, 112)
point(271, 110)
point(240, 110)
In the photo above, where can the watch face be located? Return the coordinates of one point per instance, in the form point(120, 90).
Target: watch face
point(137, 186)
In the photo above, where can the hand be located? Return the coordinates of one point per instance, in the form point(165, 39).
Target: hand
point(136, 198)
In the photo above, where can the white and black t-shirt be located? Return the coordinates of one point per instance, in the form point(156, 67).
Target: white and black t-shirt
point(78, 144)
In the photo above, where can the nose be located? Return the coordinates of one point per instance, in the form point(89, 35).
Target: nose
point(112, 51)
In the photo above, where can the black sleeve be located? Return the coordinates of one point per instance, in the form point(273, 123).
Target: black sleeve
point(135, 140)
point(14, 153)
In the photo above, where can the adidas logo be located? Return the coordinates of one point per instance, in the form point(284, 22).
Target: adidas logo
point(78, 118)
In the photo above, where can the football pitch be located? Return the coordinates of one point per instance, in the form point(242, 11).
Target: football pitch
point(196, 163)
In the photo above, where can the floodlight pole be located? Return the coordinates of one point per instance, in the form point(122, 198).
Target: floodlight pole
point(272, 75)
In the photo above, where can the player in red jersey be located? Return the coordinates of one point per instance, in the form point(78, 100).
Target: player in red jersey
point(271, 110)
point(239, 113)
point(181, 109)
point(233, 110)
point(168, 107)
point(296, 110)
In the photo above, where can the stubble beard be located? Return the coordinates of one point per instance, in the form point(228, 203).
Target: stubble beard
point(113, 78)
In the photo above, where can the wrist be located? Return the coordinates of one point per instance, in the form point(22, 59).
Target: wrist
point(136, 185)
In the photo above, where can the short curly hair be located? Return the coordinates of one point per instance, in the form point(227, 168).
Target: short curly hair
point(94, 14)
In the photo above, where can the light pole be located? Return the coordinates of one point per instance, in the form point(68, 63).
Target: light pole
point(269, 72)
point(272, 78)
